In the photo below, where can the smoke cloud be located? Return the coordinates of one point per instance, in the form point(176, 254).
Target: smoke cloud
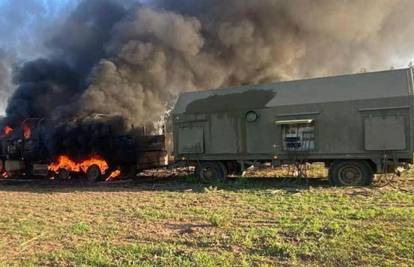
point(47, 85)
point(132, 60)
point(175, 46)
point(6, 86)
point(24, 26)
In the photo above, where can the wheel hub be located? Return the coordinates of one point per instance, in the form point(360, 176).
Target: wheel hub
point(63, 174)
point(350, 175)
point(93, 173)
point(208, 173)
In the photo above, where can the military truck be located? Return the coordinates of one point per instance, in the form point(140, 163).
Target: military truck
point(26, 152)
point(357, 125)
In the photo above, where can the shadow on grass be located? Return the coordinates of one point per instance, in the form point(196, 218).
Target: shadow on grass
point(170, 184)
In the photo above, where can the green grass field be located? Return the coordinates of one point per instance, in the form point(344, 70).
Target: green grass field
point(179, 222)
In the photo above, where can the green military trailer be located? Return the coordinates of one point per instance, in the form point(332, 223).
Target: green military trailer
point(358, 125)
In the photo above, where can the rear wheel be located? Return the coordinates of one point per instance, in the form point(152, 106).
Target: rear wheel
point(93, 173)
point(234, 168)
point(63, 174)
point(210, 171)
point(350, 173)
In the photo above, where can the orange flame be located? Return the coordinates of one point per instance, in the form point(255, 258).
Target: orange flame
point(114, 175)
point(27, 132)
point(7, 130)
point(64, 162)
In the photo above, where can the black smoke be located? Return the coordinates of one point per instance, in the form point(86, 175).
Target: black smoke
point(82, 40)
point(50, 87)
point(44, 86)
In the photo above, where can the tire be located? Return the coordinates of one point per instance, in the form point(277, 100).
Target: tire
point(223, 169)
point(93, 174)
point(208, 171)
point(63, 174)
point(234, 168)
point(350, 173)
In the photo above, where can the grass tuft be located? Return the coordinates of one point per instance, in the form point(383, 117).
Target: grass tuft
point(220, 219)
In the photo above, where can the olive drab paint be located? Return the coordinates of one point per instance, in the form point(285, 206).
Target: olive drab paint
point(359, 116)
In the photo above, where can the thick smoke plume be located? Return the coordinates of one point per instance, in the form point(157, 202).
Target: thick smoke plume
point(132, 60)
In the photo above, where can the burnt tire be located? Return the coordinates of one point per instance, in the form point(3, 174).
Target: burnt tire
point(93, 174)
point(63, 174)
point(350, 173)
point(209, 171)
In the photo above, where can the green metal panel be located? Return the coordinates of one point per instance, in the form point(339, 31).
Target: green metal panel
point(385, 133)
point(190, 140)
point(261, 135)
point(224, 134)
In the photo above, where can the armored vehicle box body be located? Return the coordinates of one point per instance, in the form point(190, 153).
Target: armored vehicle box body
point(360, 116)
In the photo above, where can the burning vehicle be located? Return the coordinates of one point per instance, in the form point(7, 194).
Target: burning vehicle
point(131, 60)
point(39, 148)
point(357, 125)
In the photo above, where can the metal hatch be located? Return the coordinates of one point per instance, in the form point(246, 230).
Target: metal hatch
point(190, 140)
point(385, 133)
